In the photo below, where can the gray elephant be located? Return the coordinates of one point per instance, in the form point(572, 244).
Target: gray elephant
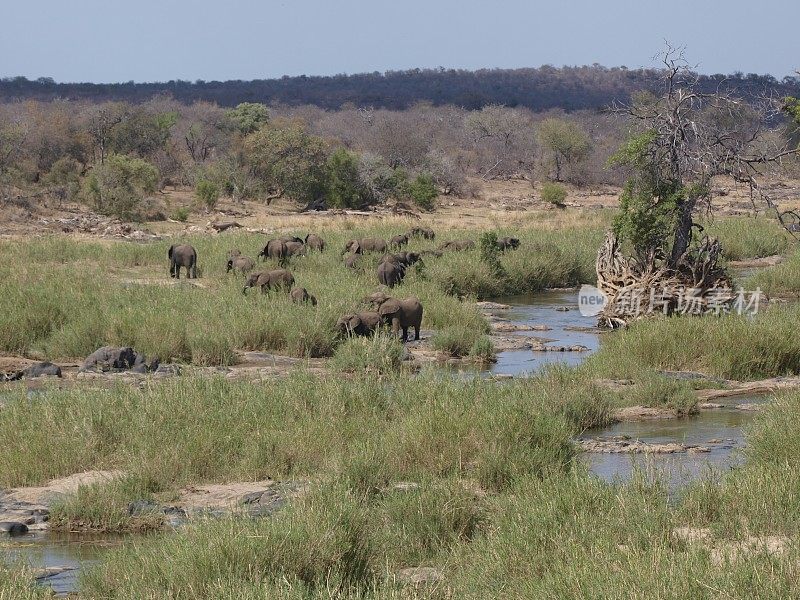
point(300, 295)
point(274, 249)
point(365, 245)
point(390, 273)
point(363, 323)
point(402, 315)
point(113, 358)
point(507, 243)
point(268, 280)
point(290, 238)
point(242, 264)
point(294, 248)
point(399, 241)
point(403, 258)
point(434, 253)
point(234, 252)
point(423, 232)
point(457, 245)
point(314, 242)
point(182, 255)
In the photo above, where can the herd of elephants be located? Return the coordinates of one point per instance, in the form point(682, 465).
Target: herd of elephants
point(401, 314)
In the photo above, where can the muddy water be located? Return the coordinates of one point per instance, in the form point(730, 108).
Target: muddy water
point(57, 559)
point(567, 328)
point(720, 430)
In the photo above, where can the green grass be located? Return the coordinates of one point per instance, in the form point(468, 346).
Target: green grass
point(732, 346)
point(381, 353)
point(743, 237)
point(17, 584)
point(782, 280)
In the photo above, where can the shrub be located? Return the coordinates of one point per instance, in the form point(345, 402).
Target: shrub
point(208, 192)
point(118, 186)
point(381, 354)
point(455, 341)
point(344, 188)
point(422, 191)
point(554, 194)
point(490, 254)
point(483, 349)
point(181, 214)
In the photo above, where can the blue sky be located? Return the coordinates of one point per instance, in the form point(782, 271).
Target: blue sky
point(149, 40)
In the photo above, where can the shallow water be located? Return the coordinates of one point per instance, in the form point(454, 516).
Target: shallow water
point(72, 552)
point(720, 430)
point(540, 309)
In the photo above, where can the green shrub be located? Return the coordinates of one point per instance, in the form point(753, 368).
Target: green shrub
point(422, 191)
point(118, 186)
point(554, 193)
point(208, 192)
point(455, 340)
point(382, 353)
point(181, 214)
point(344, 188)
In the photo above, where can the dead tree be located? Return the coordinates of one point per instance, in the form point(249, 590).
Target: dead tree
point(683, 140)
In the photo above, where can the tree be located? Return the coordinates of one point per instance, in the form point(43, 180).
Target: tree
point(343, 185)
point(499, 129)
point(683, 140)
point(288, 160)
point(119, 185)
point(565, 141)
point(102, 121)
point(247, 117)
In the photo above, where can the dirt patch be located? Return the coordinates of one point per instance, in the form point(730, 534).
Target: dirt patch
point(755, 263)
point(644, 413)
point(728, 551)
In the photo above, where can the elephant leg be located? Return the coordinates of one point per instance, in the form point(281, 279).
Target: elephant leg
point(194, 271)
point(177, 271)
point(404, 337)
point(416, 332)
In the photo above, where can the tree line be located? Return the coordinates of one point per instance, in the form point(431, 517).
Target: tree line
point(544, 88)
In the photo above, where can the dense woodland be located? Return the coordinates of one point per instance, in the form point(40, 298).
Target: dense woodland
point(543, 88)
point(346, 141)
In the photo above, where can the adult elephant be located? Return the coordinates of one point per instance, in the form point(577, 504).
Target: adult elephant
point(182, 255)
point(294, 248)
point(290, 238)
point(268, 280)
point(365, 245)
point(363, 323)
point(390, 273)
point(400, 314)
point(315, 242)
point(276, 249)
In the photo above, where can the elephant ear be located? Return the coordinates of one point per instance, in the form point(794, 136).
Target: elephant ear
point(389, 307)
point(354, 322)
point(169, 252)
point(355, 248)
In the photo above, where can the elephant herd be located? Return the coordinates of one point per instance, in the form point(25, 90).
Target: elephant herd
point(400, 314)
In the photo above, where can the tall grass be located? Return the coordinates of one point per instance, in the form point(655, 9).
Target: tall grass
point(370, 430)
point(731, 346)
point(782, 280)
point(748, 237)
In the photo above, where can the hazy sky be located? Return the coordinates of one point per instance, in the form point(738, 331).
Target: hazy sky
point(159, 40)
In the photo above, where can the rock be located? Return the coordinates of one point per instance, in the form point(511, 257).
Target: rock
point(492, 306)
point(419, 575)
point(13, 527)
point(167, 370)
point(643, 413)
point(749, 406)
point(709, 405)
point(46, 369)
point(714, 441)
point(619, 445)
point(404, 486)
point(223, 225)
point(562, 308)
point(139, 508)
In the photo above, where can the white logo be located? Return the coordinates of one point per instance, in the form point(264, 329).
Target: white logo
point(591, 301)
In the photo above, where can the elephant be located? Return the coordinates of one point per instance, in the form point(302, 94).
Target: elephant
point(457, 245)
point(275, 249)
point(182, 255)
point(407, 258)
point(315, 242)
point(112, 358)
point(366, 245)
point(363, 323)
point(399, 240)
point(401, 315)
point(234, 252)
point(300, 295)
point(242, 264)
point(351, 260)
point(507, 243)
point(435, 253)
point(391, 273)
point(290, 238)
point(267, 280)
point(423, 232)
point(294, 248)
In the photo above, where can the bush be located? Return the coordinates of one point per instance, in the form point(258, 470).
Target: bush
point(455, 341)
point(554, 193)
point(344, 188)
point(208, 192)
point(118, 186)
point(181, 214)
point(422, 191)
point(483, 350)
point(381, 354)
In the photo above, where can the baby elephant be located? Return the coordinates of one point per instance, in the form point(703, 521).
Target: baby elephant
point(363, 323)
point(182, 255)
point(507, 243)
point(300, 295)
point(267, 280)
point(399, 240)
point(457, 245)
point(423, 232)
point(242, 264)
